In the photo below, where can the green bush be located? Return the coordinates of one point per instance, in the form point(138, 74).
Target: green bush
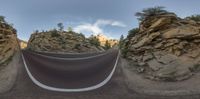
point(132, 33)
point(54, 33)
point(2, 19)
point(77, 46)
point(107, 45)
point(194, 17)
point(94, 41)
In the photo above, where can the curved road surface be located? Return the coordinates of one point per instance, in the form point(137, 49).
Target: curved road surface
point(71, 55)
point(40, 67)
point(70, 75)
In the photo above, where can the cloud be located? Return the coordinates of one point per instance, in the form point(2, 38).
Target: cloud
point(96, 28)
point(101, 22)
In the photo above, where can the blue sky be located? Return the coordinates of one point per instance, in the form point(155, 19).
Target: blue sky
point(111, 17)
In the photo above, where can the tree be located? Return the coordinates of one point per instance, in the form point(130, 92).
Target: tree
point(121, 41)
point(132, 32)
point(94, 40)
point(107, 45)
point(60, 26)
point(149, 12)
point(69, 29)
point(194, 17)
point(2, 19)
point(36, 31)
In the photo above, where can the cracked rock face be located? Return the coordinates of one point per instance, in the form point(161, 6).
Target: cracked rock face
point(167, 47)
point(61, 42)
point(8, 43)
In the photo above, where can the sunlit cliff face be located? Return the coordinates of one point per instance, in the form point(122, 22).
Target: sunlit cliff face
point(102, 38)
point(23, 44)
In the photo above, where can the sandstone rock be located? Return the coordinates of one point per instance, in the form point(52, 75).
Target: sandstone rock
point(8, 43)
point(146, 40)
point(181, 32)
point(168, 45)
point(55, 41)
point(154, 65)
point(175, 70)
point(147, 57)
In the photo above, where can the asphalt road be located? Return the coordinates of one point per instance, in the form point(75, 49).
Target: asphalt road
point(116, 88)
point(70, 74)
point(71, 55)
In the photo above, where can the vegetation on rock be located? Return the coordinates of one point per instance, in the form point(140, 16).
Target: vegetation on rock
point(151, 12)
point(62, 41)
point(107, 45)
point(194, 17)
point(8, 41)
point(94, 40)
point(164, 46)
point(60, 26)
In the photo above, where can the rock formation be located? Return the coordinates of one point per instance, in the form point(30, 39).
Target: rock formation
point(102, 38)
point(8, 43)
point(61, 41)
point(166, 48)
point(9, 56)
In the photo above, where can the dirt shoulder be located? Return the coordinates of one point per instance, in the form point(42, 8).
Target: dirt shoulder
point(148, 87)
point(8, 74)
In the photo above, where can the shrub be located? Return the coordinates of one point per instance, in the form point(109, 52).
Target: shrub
point(194, 17)
point(77, 46)
point(132, 32)
point(107, 45)
point(2, 19)
point(54, 33)
point(94, 41)
point(69, 29)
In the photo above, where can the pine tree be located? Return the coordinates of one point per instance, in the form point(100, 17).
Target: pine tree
point(60, 27)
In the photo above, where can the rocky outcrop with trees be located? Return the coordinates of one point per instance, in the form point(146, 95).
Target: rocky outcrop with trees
point(62, 41)
point(8, 42)
point(9, 55)
point(164, 47)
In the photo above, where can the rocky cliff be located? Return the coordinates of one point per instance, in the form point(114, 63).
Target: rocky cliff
point(9, 56)
point(102, 39)
point(57, 41)
point(8, 43)
point(165, 48)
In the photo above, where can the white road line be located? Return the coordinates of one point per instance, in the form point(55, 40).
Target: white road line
point(71, 90)
point(59, 58)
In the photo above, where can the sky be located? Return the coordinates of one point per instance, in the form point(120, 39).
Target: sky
point(112, 18)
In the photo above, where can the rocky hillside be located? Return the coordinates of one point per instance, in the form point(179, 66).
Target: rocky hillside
point(165, 47)
point(57, 41)
point(8, 43)
point(9, 56)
